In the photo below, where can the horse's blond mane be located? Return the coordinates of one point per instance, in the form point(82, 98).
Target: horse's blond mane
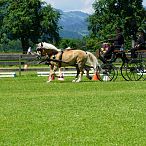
point(49, 46)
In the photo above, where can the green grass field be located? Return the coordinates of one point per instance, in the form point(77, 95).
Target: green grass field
point(36, 113)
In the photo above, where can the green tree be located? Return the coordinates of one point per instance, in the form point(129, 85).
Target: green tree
point(73, 43)
point(49, 24)
point(21, 21)
point(28, 20)
point(129, 14)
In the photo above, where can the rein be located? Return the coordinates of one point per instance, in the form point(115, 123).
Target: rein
point(54, 60)
point(48, 59)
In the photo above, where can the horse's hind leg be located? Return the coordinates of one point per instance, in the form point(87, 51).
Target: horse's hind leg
point(81, 72)
point(78, 72)
point(87, 72)
point(80, 76)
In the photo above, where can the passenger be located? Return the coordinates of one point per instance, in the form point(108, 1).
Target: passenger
point(105, 47)
point(140, 43)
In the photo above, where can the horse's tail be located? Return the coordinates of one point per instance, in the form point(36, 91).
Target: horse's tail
point(92, 61)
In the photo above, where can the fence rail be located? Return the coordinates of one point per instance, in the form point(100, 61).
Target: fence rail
point(20, 60)
point(15, 60)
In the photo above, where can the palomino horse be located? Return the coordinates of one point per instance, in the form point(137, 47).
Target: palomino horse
point(78, 58)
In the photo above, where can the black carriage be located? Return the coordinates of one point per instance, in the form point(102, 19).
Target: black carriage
point(132, 69)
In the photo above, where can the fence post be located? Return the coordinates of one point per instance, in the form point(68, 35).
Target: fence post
point(19, 65)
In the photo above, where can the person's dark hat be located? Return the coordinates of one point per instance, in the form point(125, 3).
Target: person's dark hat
point(141, 30)
point(119, 29)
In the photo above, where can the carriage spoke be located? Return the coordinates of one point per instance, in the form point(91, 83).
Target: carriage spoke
point(134, 71)
point(109, 72)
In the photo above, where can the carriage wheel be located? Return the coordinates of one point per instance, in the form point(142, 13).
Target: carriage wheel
point(108, 73)
point(124, 71)
point(134, 70)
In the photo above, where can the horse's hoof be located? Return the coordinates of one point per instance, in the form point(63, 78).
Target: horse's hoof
point(90, 78)
point(77, 81)
point(61, 79)
point(74, 80)
point(48, 81)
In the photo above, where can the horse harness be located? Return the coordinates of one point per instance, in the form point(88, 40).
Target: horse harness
point(60, 58)
point(56, 60)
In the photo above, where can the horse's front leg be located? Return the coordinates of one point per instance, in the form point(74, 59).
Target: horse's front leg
point(51, 73)
point(60, 76)
point(60, 72)
point(53, 69)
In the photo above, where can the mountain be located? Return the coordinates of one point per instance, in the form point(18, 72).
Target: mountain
point(74, 24)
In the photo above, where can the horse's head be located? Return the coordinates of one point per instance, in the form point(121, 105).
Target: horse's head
point(40, 50)
point(46, 49)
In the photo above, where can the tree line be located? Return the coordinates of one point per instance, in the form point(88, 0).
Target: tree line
point(27, 22)
point(127, 14)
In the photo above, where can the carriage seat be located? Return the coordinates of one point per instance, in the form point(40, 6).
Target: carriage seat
point(141, 51)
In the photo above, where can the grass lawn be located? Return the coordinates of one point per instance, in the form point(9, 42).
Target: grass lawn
point(33, 112)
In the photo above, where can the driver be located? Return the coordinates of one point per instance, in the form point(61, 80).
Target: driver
point(117, 42)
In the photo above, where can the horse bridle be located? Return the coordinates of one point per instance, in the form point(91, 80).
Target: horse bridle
point(40, 48)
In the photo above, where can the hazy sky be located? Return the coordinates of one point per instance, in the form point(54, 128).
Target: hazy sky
point(82, 5)
point(67, 5)
point(144, 2)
